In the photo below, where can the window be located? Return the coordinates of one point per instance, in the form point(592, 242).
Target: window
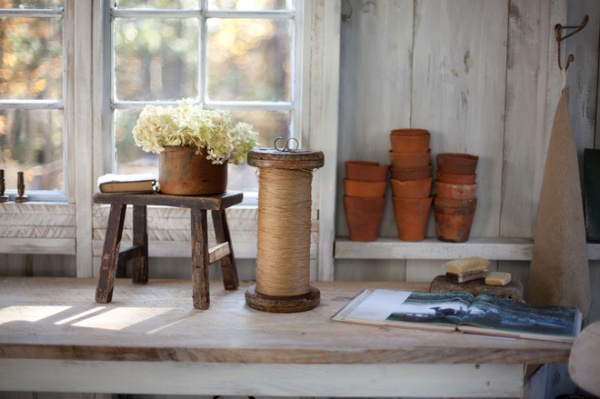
point(238, 55)
point(32, 96)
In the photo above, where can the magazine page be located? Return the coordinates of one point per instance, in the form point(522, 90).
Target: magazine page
point(407, 309)
point(523, 320)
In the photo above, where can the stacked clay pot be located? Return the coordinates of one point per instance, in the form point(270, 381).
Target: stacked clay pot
point(455, 200)
point(411, 182)
point(365, 185)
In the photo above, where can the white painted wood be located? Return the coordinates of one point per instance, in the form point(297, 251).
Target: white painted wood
point(47, 246)
point(80, 145)
point(323, 122)
point(391, 380)
point(489, 248)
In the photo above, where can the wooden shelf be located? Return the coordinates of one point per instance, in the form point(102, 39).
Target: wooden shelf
point(495, 248)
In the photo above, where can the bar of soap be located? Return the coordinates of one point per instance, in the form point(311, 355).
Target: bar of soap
point(497, 278)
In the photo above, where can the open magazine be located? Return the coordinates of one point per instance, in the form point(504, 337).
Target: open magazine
point(462, 311)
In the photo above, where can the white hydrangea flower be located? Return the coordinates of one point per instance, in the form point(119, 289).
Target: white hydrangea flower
point(192, 125)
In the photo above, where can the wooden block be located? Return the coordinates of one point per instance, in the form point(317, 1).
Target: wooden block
point(513, 290)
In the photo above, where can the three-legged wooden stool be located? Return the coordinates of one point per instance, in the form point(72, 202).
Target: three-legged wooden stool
point(114, 259)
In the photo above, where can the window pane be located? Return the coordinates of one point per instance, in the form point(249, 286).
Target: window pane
point(269, 125)
point(159, 4)
point(248, 59)
point(31, 59)
point(250, 4)
point(156, 59)
point(129, 157)
point(40, 4)
point(31, 142)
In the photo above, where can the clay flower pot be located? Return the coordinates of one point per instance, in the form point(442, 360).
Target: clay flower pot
point(460, 164)
point(411, 188)
point(454, 218)
point(410, 173)
point(456, 191)
point(409, 140)
point(363, 216)
point(366, 171)
point(365, 189)
point(412, 215)
point(456, 179)
point(410, 159)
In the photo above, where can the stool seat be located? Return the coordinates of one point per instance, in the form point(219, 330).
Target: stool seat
point(113, 259)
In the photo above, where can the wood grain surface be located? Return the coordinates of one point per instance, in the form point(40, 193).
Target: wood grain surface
point(57, 319)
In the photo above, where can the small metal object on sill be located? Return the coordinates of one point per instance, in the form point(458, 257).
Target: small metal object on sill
point(3, 197)
point(21, 196)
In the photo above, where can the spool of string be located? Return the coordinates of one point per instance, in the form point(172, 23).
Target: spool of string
point(284, 222)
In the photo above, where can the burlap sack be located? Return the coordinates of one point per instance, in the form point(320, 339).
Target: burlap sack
point(559, 272)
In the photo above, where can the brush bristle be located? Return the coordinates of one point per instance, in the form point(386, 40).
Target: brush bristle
point(460, 266)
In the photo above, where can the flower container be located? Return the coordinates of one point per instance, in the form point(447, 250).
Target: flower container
point(412, 215)
point(365, 189)
point(184, 171)
point(410, 159)
point(460, 164)
point(409, 140)
point(420, 188)
point(456, 179)
point(410, 173)
point(453, 218)
point(456, 191)
point(366, 171)
point(363, 216)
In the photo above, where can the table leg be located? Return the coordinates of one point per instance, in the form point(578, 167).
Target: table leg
point(200, 277)
point(228, 266)
point(110, 253)
point(140, 239)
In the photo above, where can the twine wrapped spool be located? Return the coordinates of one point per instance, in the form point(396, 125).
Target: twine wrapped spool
point(284, 223)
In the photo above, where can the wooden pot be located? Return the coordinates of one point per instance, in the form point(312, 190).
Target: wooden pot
point(181, 171)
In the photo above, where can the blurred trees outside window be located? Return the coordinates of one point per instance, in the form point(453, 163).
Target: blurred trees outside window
point(31, 93)
point(231, 54)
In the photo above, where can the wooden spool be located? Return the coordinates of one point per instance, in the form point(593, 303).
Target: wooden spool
point(301, 296)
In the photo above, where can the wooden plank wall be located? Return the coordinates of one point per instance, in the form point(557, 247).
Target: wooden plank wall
point(482, 76)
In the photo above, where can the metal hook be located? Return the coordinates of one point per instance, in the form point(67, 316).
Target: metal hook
point(286, 147)
point(559, 38)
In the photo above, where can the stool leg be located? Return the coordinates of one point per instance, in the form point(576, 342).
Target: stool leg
point(110, 253)
point(200, 277)
point(140, 239)
point(228, 266)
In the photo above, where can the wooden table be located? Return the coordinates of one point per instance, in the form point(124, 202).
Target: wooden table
point(150, 339)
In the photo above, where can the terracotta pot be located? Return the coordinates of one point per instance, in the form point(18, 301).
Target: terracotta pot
point(411, 188)
point(366, 171)
point(410, 173)
point(365, 189)
point(409, 140)
point(460, 164)
point(412, 215)
point(363, 216)
point(410, 159)
point(456, 191)
point(456, 179)
point(183, 172)
point(454, 218)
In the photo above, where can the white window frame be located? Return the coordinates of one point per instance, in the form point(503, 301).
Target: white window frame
point(71, 224)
